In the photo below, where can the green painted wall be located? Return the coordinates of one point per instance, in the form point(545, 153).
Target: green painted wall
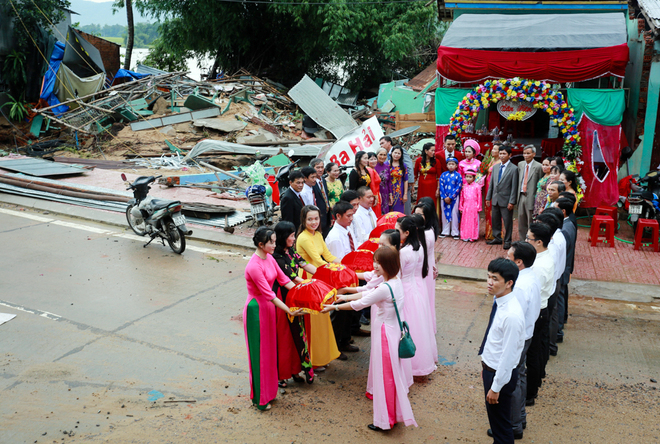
point(643, 161)
point(632, 82)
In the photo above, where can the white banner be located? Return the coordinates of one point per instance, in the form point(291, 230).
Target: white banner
point(365, 138)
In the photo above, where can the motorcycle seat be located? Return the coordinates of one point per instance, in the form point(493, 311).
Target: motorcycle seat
point(158, 204)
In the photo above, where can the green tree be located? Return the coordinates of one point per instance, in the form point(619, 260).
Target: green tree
point(284, 41)
point(164, 58)
point(30, 19)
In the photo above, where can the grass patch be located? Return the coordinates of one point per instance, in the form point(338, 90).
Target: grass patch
point(117, 40)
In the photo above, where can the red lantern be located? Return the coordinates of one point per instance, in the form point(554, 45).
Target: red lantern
point(376, 232)
point(389, 218)
point(336, 275)
point(371, 245)
point(310, 295)
point(359, 260)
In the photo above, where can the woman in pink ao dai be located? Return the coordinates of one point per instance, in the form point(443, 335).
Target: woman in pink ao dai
point(390, 389)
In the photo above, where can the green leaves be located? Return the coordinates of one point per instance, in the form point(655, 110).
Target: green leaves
point(283, 41)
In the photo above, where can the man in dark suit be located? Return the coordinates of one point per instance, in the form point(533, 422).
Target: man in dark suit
point(503, 195)
point(529, 173)
point(447, 150)
point(570, 233)
point(291, 203)
point(317, 164)
point(312, 195)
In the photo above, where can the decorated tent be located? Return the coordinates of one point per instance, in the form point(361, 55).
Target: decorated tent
point(525, 58)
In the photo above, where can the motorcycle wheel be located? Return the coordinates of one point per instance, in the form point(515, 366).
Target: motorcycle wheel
point(138, 228)
point(175, 238)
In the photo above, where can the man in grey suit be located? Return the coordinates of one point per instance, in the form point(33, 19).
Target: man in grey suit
point(529, 173)
point(503, 194)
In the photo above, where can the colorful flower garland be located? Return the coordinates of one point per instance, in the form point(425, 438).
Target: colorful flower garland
point(516, 89)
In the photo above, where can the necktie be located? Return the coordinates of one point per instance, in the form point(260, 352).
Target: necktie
point(524, 189)
point(350, 241)
point(301, 199)
point(325, 198)
point(499, 176)
point(372, 218)
point(490, 322)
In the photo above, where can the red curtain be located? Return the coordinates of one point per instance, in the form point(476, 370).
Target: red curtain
point(473, 66)
point(601, 190)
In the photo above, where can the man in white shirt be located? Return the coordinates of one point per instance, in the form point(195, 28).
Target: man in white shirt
point(539, 235)
point(528, 292)
point(365, 219)
point(307, 194)
point(340, 242)
point(501, 348)
point(557, 247)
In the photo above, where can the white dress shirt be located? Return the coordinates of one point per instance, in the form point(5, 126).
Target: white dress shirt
point(505, 340)
point(528, 293)
point(544, 268)
point(363, 222)
point(307, 195)
point(557, 247)
point(338, 242)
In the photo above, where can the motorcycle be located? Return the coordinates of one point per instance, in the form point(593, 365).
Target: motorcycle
point(261, 213)
point(158, 218)
point(642, 200)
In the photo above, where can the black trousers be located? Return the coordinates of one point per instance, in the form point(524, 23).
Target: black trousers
point(341, 325)
point(499, 214)
point(535, 354)
point(499, 415)
point(552, 329)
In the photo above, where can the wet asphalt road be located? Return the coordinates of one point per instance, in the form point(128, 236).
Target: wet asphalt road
point(107, 331)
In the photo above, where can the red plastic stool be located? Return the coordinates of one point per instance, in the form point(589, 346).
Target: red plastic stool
point(639, 233)
point(613, 212)
point(602, 223)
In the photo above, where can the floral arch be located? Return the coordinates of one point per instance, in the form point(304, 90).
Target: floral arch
point(539, 92)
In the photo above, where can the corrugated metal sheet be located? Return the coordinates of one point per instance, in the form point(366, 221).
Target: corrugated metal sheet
point(144, 69)
point(40, 167)
point(228, 147)
point(321, 108)
point(422, 80)
point(651, 9)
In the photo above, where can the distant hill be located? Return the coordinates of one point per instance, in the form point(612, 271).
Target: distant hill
point(101, 14)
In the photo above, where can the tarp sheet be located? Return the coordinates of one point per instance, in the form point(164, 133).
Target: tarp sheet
point(81, 56)
point(50, 79)
point(536, 32)
point(69, 85)
point(124, 75)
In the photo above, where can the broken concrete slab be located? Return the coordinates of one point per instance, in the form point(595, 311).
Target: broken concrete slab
point(226, 126)
point(168, 131)
point(259, 137)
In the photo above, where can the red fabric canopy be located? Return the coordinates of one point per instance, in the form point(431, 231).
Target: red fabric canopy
point(473, 66)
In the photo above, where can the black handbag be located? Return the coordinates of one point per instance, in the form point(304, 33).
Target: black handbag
point(406, 345)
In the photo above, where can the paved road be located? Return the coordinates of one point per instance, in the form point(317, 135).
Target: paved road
point(97, 312)
point(105, 327)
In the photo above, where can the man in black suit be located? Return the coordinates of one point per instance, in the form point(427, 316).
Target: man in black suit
point(503, 193)
point(317, 164)
point(570, 233)
point(291, 203)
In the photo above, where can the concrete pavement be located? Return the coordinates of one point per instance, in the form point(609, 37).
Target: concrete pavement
point(476, 255)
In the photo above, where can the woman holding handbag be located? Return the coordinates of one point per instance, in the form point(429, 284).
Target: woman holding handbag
point(390, 389)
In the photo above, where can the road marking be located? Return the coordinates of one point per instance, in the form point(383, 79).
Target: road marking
point(25, 215)
point(111, 233)
point(43, 314)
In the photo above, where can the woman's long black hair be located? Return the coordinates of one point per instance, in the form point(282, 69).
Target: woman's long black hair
point(424, 159)
point(414, 225)
point(401, 164)
point(394, 237)
point(358, 166)
point(430, 216)
point(283, 230)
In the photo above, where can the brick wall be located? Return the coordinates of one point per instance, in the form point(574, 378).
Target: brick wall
point(109, 53)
